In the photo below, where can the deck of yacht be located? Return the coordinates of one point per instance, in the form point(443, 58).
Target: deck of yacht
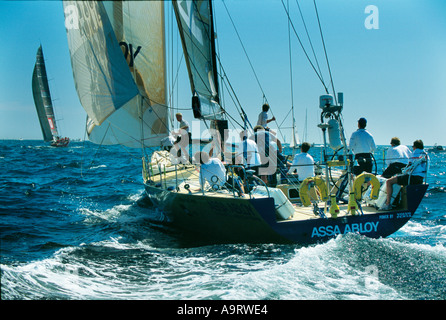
point(185, 180)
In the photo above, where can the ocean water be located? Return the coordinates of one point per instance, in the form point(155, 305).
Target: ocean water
point(74, 225)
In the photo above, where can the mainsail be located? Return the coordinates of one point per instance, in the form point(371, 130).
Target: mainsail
point(195, 24)
point(118, 59)
point(42, 99)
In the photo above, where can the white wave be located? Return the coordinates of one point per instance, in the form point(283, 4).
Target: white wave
point(414, 228)
point(417, 229)
point(47, 279)
point(313, 273)
point(67, 277)
point(110, 215)
point(137, 196)
point(113, 269)
point(97, 167)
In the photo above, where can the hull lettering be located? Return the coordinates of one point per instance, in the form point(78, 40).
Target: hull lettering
point(331, 231)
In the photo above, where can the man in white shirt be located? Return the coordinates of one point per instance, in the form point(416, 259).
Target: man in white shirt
point(303, 163)
point(397, 157)
point(268, 150)
point(184, 125)
point(416, 177)
point(183, 139)
point(247, 152)
point(212, 170)
point(362, 145)
point(263, 116)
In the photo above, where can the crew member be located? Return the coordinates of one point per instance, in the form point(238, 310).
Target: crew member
point(397, 157)
point(362, 145)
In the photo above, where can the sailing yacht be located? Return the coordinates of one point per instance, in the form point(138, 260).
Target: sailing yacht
point(44, 105)
point(118, 59)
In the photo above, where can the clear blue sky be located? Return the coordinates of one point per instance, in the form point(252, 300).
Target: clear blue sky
point(395, 76)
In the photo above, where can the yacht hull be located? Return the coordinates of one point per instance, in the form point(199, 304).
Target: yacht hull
point(241, 220)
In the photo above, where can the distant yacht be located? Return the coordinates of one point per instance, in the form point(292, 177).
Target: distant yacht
point(44, 105)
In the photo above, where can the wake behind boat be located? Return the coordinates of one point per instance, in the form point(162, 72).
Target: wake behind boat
point(124, 92)
point(44, 104)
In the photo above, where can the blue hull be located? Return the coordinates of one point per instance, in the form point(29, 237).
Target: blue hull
point(232, 220)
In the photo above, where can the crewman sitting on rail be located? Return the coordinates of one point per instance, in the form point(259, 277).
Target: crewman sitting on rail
point(303, 163)
point(212, 170)
point(397, 157)
point(414, 174)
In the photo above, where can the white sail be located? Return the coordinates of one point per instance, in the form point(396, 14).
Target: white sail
point(195, 24)
point(295, 141)
point(118, 60)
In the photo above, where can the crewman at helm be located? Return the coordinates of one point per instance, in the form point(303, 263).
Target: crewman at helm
point(362, 145)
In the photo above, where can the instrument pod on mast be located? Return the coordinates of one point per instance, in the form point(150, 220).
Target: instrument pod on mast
point(334, 134)
point(325, 100)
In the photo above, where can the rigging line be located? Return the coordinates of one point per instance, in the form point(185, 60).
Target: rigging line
point(130, 137)
point(309, 39)
point(173, 96)
point(99, 147)
point(303, 48)
point(291, 81)
point(170, 57)
point(174, 82)
point(219, 65)
point(123, 146)
point(265, 99)
point(83, 144)
point(242, 112)
point(223, 75)
point(243, 115)
point(244, 50)
point(285, 118)
point(161, 119)
point(291, 63)
point(325, 51)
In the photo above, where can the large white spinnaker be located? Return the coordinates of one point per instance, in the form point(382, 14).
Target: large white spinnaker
point(118, 59)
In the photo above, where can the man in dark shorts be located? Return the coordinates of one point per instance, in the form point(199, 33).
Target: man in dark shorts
point(362, 145)
point(397, 158)
point(415, 177)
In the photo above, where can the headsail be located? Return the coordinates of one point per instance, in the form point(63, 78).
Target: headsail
point(118, 59)
point(195, 23)
point(42, 99)
point(295, 141)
